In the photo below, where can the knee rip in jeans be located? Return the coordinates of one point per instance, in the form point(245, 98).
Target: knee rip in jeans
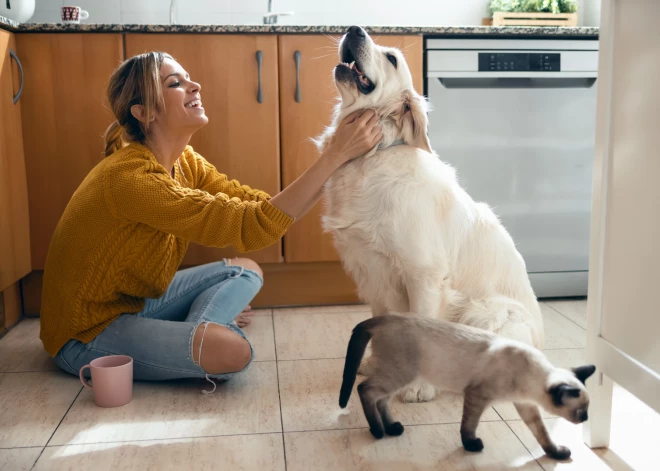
point(199, 352)
point(228, 264)
point(199, 357)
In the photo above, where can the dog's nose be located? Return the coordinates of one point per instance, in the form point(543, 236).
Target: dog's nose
point(357, 31)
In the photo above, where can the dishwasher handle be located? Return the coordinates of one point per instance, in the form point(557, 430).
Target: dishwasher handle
point(517, 82)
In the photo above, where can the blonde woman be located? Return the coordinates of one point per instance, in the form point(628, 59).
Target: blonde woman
point(112, 283)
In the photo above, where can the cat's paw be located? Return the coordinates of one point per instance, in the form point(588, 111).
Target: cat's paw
point(474, 444)
point(377, 433)
point(418, 393)
point(559, 453)
point(394, 430)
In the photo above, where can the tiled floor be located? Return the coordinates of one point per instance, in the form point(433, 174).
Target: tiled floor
point(283, 413)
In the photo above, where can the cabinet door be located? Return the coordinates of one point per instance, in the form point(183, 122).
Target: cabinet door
point(305, 241)
point(14, 221)
point(242, 136)
point(64, 119)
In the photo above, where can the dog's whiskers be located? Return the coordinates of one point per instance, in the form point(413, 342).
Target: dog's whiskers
point(321, 57)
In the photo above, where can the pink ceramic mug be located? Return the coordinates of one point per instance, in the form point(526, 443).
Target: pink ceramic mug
point(112, 380)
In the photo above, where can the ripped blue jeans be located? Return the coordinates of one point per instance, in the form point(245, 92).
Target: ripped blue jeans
point(160, 337)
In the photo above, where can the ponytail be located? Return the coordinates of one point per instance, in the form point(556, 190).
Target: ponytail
point(135, 82)
point(114, 138)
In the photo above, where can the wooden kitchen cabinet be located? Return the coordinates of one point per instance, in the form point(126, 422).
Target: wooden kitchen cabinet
point(64, 117)
point(242, 138)
point(14, 221)
point(300, 120)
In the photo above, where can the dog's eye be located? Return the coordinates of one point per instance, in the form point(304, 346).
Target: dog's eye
point(392, 59)
point(406, 107)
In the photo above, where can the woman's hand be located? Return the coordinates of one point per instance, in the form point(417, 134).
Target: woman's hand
point(356, 135)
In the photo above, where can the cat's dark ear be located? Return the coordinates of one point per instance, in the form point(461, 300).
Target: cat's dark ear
point(561, 392)
point(583, 372)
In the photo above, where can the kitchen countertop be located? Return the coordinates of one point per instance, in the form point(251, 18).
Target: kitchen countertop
point(6, 23)
point(528, 31)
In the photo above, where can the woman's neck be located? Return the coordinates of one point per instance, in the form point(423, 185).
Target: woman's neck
point(167, 148)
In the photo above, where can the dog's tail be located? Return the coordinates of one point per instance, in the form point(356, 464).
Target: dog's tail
point(356, 347)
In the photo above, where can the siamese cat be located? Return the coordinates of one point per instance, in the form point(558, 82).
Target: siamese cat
point(483, 366)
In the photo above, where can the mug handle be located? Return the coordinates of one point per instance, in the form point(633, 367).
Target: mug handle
point(82, 378)
point(84, 14)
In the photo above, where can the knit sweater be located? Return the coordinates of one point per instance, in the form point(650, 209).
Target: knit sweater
point(126, 230)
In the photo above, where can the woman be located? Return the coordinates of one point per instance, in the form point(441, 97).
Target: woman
point(111, 284)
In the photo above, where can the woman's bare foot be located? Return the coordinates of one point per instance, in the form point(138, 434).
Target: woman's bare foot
point(244, 318)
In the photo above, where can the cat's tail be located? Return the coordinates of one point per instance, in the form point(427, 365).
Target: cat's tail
point(356, 347)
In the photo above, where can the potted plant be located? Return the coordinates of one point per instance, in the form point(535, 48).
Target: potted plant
point(533, 12)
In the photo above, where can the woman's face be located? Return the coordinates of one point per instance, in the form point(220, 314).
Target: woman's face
point(183, 103)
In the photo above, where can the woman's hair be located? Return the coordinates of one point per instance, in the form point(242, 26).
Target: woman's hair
point(135, 82)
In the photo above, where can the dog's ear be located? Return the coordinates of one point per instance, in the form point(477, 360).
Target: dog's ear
point(415, 120)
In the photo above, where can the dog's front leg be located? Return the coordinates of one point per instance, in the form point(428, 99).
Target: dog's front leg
point(425, 297)
point(377, 309)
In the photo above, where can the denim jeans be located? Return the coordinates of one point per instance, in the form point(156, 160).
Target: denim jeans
point(160, 337)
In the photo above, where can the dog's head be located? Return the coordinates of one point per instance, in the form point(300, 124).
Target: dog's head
point(377, 77)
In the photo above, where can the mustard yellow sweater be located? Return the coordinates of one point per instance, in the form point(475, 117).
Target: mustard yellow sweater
point(126, 230)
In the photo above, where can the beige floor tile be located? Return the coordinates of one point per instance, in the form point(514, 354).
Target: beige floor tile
point(246, 404)
point(566, 434)
point(309, 392)
point(561, 332)
point(562, 358)
point(635, 439)
point(19, 459)
point(332, 309)
point(260, 334)
point(31, 406)
point(243, 452)
point(309, 335)
point(421, 447)
point(21, 349)
point(575, 310)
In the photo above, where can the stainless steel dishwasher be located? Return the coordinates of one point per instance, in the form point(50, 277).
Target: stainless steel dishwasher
point(516, 118)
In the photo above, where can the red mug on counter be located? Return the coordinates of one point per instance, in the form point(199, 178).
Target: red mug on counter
point(71, 14)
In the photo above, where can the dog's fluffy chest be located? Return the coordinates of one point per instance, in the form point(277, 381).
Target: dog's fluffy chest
point(385, 211)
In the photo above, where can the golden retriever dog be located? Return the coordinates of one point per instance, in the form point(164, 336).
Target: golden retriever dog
point(412, 239)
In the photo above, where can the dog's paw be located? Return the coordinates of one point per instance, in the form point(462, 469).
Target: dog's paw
point(559, 453)
point(423, 392)
point(395, 429)
point(474, 444)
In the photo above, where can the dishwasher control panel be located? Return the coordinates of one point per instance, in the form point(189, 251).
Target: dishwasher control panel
point(519, 62)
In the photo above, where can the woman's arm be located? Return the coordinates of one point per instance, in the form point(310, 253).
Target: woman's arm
point(212, 181)
point(355, 136)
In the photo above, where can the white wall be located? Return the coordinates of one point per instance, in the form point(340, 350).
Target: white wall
point(308, 12)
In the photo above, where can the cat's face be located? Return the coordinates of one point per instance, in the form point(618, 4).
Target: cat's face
point(567, 394)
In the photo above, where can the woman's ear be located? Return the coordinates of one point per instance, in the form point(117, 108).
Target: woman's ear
point(416, 121)
point(139, 113)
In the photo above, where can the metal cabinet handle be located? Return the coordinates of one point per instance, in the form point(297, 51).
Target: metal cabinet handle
point(260, 94)
point(20, 69)
point(296, 56)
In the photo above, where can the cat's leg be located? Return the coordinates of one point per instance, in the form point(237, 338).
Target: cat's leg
point(392, 428)
point(370, 394)
point(474, 405)
point(531, 415)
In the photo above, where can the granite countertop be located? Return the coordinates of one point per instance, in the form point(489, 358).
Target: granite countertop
point(302, 29)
